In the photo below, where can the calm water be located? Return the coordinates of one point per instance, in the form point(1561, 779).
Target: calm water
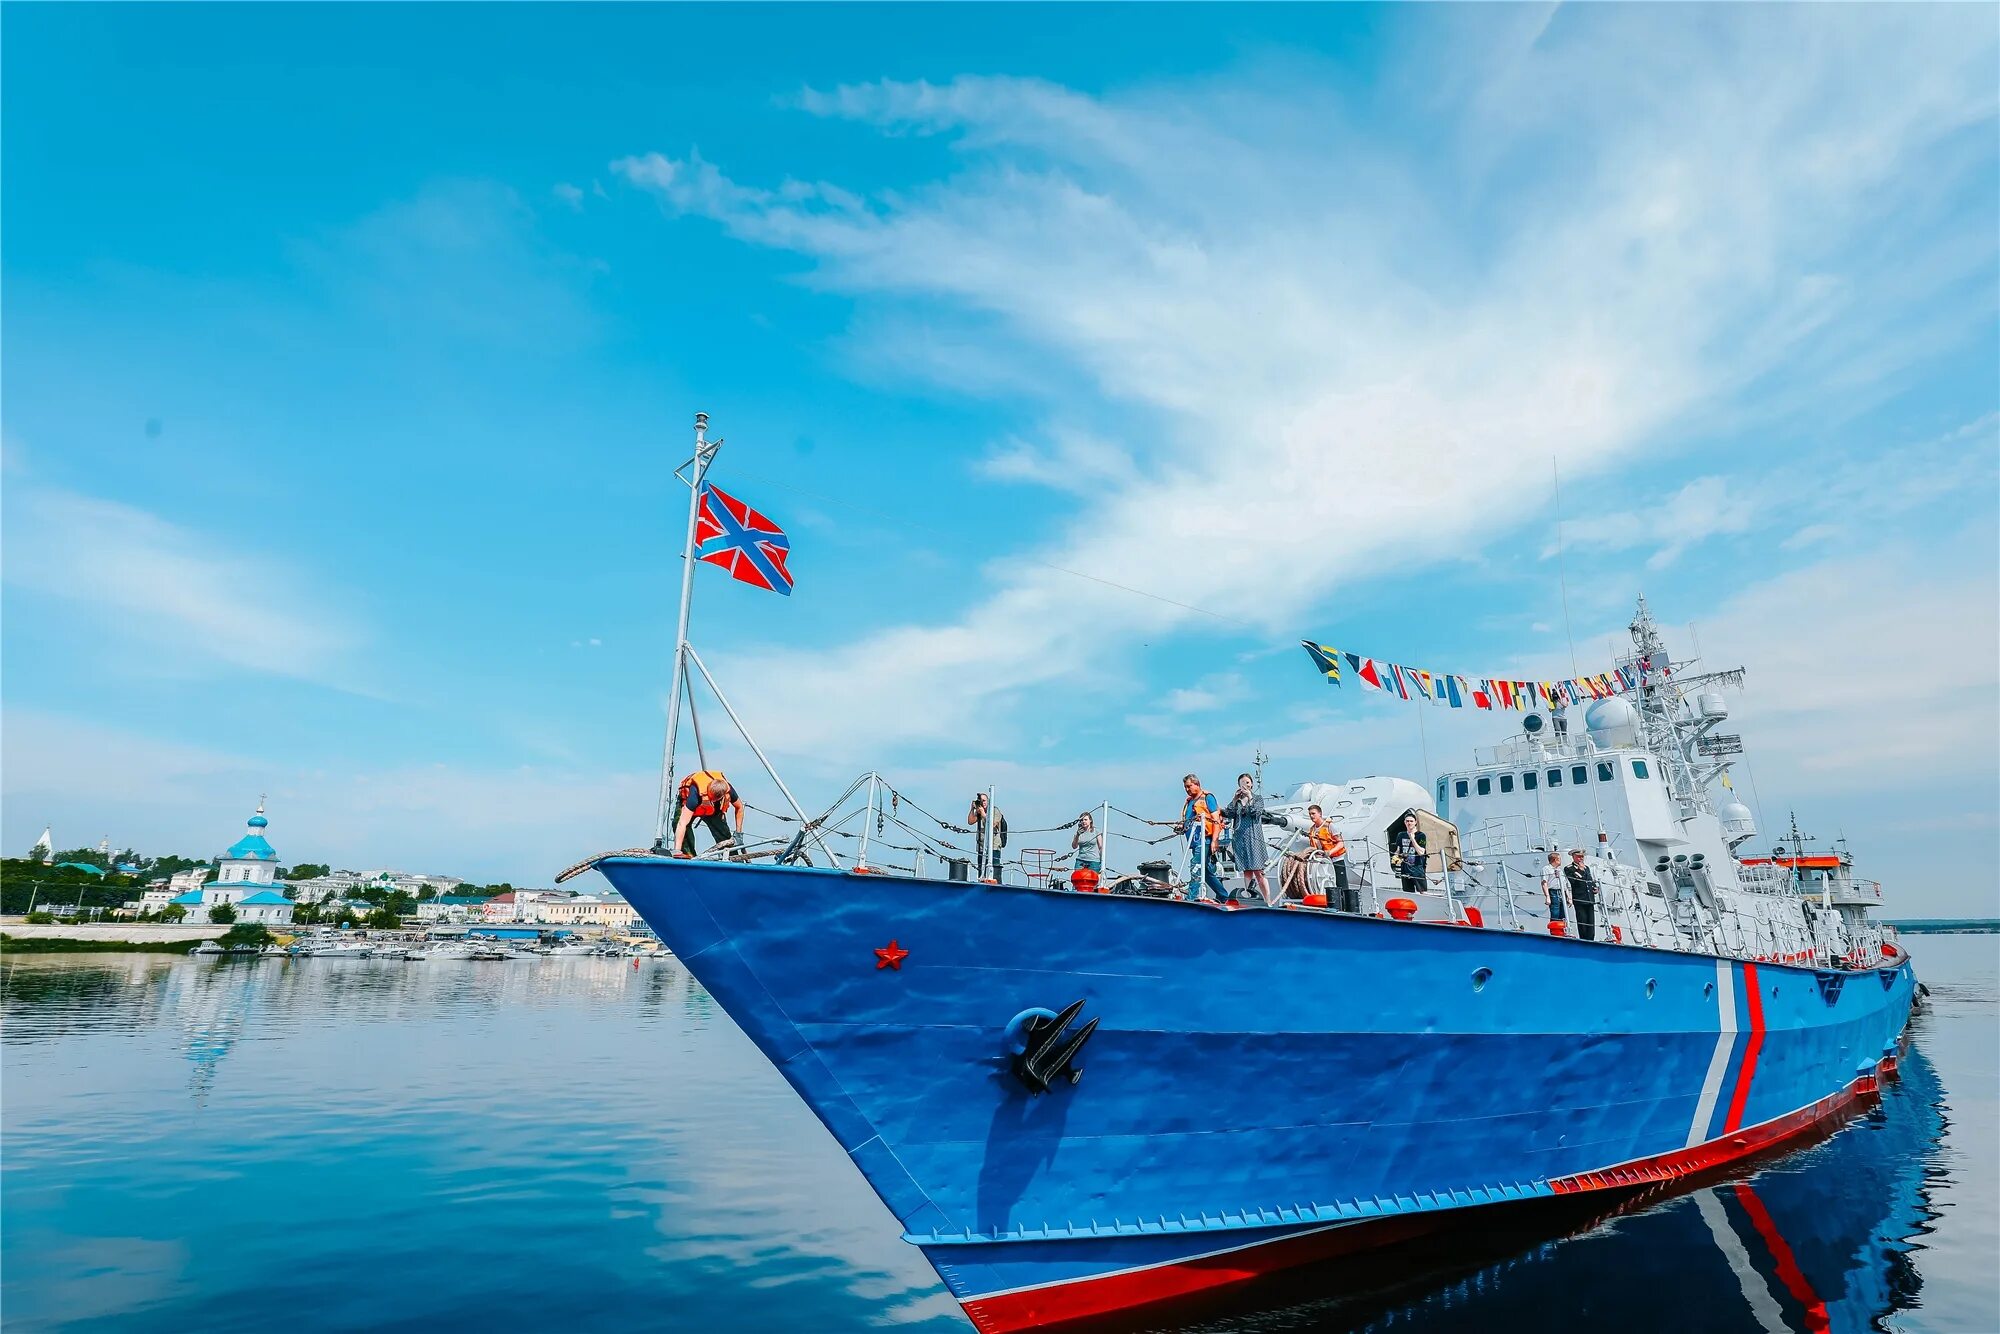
point(334, 1144)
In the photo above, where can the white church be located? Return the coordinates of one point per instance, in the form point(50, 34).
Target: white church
point(247, 881)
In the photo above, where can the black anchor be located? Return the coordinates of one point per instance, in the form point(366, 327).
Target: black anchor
point(1048, 1050)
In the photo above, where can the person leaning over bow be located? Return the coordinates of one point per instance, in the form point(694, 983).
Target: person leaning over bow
point(1201, 821)
point(976, 817)
point(1088, 844)
point(1245, 814)
point(1409, 851)
point(704, 796)
point(1552, 886)
point(1582, 894)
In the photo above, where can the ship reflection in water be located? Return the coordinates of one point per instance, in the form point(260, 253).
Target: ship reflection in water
point(367, 1142)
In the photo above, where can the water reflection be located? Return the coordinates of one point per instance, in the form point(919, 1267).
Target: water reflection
point(389, 1143)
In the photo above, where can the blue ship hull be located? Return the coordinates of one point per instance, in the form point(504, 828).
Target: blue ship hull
point(1264, 1087)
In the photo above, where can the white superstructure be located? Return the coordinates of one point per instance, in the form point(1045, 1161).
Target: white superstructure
point(1631, 785)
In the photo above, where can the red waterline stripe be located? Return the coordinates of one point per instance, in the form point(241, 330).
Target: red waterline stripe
point(1789, 1273)
point(1726, 1148)
point(1750, 1050)
point(1087, 1298)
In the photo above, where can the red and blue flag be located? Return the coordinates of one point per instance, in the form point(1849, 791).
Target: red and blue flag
point(749, 546)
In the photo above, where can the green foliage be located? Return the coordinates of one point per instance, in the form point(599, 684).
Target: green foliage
point(307, 870)
point(25, 883)
point(222, 912)
point(54, 945)
point(173, 912)
point(173, 865)
point(246, 933)
point(385, 918)
point(42, 918)
point(90, 855)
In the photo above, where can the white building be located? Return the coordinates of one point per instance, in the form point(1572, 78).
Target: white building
point(521, 905)
point(452, 908)
point(608, 910)
point(247, 881)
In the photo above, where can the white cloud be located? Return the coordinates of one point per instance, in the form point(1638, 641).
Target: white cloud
point(189, 596)
point(1070, 461)
point(1704, 508)
point(1342, 361)
point(568, 194)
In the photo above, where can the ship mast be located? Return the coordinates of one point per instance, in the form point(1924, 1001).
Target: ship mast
point(1672, 730)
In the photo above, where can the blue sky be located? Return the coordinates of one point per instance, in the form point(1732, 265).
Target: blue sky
point(349, 351)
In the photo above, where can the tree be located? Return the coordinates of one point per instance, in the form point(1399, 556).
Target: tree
point(384, 918)
point(308, 871)
point(173, 912)
point(89, 855)
point(222, 912)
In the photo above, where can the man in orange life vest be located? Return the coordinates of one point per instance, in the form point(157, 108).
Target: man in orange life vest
point(704, 797)
point(1201, 822)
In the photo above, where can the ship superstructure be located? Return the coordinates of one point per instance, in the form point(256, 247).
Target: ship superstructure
point(1633, 786)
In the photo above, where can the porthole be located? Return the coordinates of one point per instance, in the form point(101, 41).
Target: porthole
point(1480, 978)
point(1652, 985)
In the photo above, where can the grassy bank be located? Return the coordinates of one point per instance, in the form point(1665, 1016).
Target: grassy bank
point(57, 945)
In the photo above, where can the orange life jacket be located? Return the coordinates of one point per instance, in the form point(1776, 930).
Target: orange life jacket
point(694, 793)
point(1204, 807)
point(1327, 839)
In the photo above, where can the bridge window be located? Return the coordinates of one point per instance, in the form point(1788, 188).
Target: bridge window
point(1528, 781)
point(1579, 774)
point(1506, 782)
point(1604, 771)
point(1639, 769)
point(1555, 778)
point(1485, 787)
point(1462, 788)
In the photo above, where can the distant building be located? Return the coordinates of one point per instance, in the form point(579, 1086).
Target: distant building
point(180, 882)
point(152, 900)
point(608, 910)
point(45, 846)
point(247, 880)
point(520, 905)
point(452, 908)
point(320, 888)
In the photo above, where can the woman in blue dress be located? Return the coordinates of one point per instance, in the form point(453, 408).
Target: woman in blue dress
point(1245, 814)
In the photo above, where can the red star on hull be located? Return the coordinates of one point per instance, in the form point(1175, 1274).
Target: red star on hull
point(891, 957)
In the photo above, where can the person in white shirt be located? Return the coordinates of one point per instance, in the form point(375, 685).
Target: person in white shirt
point(1552, 887)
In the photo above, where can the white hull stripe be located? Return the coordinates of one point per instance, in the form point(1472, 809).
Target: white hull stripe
point(1718, 1063)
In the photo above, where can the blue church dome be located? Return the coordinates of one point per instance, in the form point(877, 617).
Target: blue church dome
point(258, 822)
